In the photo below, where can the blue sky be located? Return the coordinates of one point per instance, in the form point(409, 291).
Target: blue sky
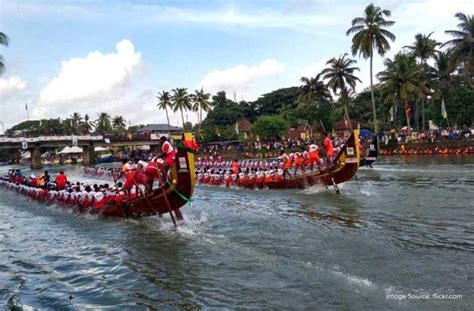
point(115, 56)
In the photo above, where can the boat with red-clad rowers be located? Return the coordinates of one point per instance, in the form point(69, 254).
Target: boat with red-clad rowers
point(168, 198)
point(341, 169)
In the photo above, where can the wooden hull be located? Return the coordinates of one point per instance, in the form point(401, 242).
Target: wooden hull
point(344, 167)
point(171, 197)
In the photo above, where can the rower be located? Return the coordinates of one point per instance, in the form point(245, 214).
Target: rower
point(170, 156)
point(329, 148)
point(61, 180)
point(313, 155)
point(235, 167)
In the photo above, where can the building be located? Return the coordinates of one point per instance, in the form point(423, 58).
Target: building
point(159, 130)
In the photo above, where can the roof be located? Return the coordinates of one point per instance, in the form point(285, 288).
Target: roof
point(158, 128)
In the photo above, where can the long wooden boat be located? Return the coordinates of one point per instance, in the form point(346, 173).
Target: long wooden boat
point(342, 168)
point(169, 198)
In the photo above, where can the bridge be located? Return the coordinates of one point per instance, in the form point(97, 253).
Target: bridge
point(87, 142)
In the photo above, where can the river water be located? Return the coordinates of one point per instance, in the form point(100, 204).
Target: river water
point(402, 233)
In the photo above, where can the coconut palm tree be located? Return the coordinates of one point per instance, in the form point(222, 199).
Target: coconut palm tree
point(181, 101)
point(86, 126)
point(462, 55)
point(165, 103)
point(369, 35)
point(423, 48)
point(102, 124)
point(201, 103)
point(314, 88)
point(4, 40)
point(76, 120)
point(342, 80)
point(400, 81)
point(442, 70)
point(118, 123)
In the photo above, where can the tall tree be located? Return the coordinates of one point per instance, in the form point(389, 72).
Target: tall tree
point(369, 35)
point(86, 126)
point(423, 49)
point(181, 101)
point(201, 103)
point(102, 124)
point(76, 120)
point(165, 103)
point(443, 81)
point(119, 124)
point(4, 40)
point(462, 54)
point(400, 81)
point(314, 88)
point(342, 80)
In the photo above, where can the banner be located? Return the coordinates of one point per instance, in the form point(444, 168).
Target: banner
point(392, 113)
point(443, 110)
point(408, 110)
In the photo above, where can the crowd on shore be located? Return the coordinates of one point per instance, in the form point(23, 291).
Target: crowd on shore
point(432, 135)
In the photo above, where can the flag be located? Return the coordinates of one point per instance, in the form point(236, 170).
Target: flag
point(26, 106)
point(443, 110)
point(237, 127)
point(408, 110)
point(218, 133)
point(392, 113)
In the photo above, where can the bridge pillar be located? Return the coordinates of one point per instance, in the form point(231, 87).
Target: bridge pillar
point(36, 162)
point(88, 155)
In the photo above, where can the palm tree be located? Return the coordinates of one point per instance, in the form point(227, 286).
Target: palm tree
point(462, 45)
point(165, 102)
point(86, 126)
point(423, 48)
point(442, 72)
point(370, 34)
point(76, 120)
point(341, 77)
point(4, 40)
point(102, 124)
point(181, 101)
point(200, 102)
point(401, 80)
point(118, 123)
point(314, 88)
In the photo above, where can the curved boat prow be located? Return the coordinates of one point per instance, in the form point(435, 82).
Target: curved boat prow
point(169, 197)
point(342, 168)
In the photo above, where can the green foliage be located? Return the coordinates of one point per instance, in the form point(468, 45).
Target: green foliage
point(188, 126)
point(273, 102)
point(134, 128)
point(270, 127)
point(103, 124)
point(459, 106)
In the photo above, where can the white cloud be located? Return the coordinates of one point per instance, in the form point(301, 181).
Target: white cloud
point(11, 86)
point(312, 70)
point(84, 81)
point(241, 78)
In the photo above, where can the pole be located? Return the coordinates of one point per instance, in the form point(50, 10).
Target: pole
point(27, 114)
